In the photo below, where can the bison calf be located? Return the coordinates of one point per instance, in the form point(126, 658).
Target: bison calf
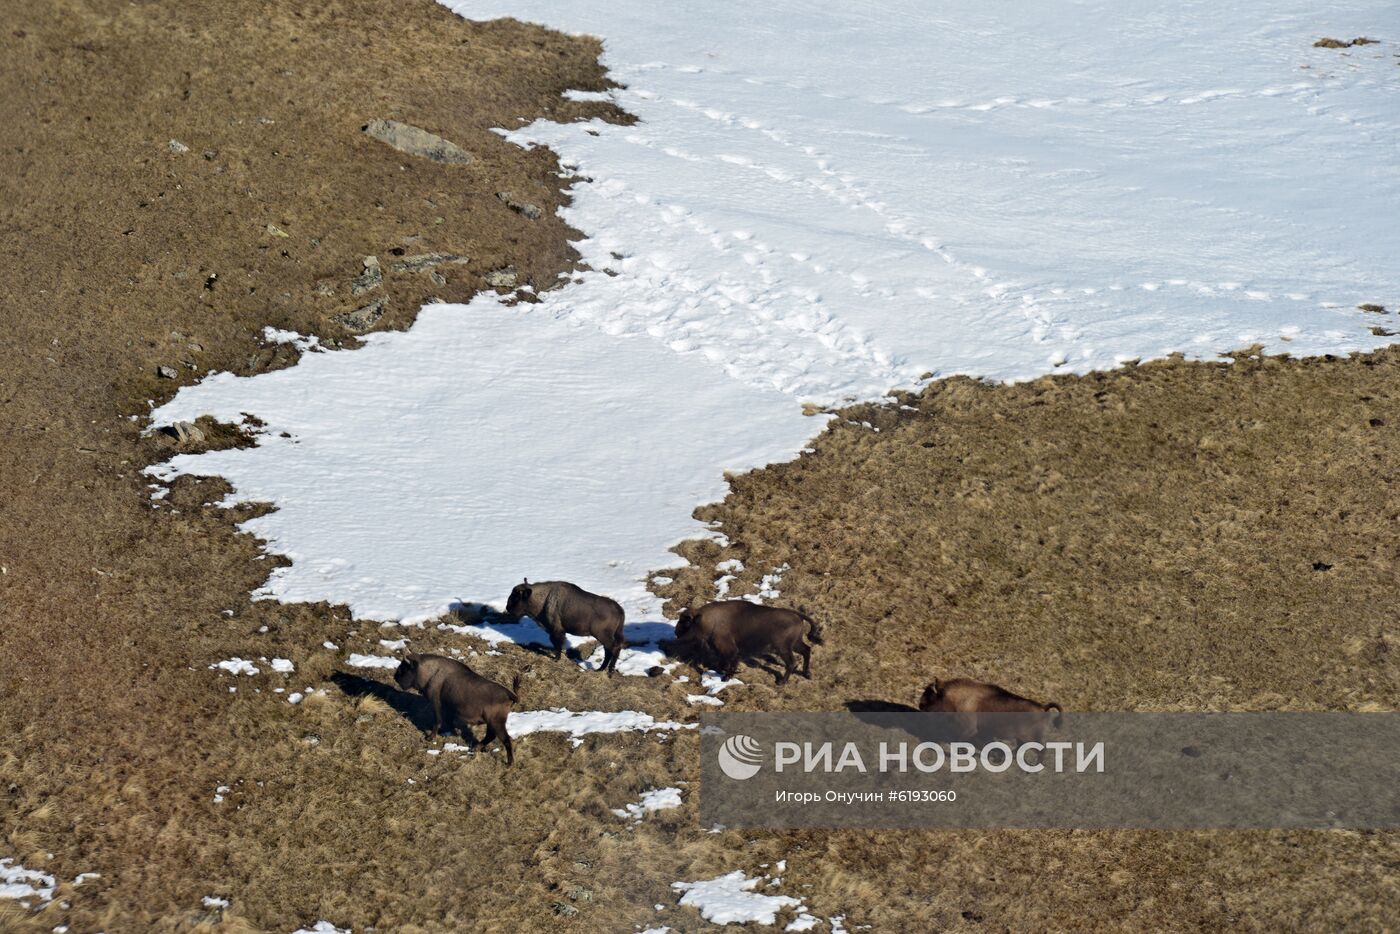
point(460, 697)
point(561, 607)
point(731, 629)
point(968, 699)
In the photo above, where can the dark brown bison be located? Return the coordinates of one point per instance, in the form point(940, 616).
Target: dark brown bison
point(728, 630)
point(968, 699)
point(561, 607)
point(460, 697)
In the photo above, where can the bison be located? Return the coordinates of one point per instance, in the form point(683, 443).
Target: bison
point(968, 699)
point(561, 607)
point(460, 697)
point(730, 629)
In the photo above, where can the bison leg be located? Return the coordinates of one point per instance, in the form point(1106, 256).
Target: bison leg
point(496, 727)
point(619, 643)
point(556, 639)
point(789, 665)
point(806, 651)
point(436, 701)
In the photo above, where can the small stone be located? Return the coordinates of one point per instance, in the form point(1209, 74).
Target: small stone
point(437, 278)
point(277, 231)
point(532, 211)
point(369, 279)
point(178, 147)
point(1327, 42)
point(1372, 307)
point(564, 910)
point(186, 433)
point(363, 318)
point(503, 278)
point(580, 894)
point(417, 142)
point(166, 372)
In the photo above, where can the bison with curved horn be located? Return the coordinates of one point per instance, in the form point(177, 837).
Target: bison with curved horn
point(728, 630)
point(564, 608)
point(460, 697)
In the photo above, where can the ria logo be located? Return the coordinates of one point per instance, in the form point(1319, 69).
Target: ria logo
point(740, 757)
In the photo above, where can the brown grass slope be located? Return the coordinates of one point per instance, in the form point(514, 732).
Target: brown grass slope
point(1143, 539)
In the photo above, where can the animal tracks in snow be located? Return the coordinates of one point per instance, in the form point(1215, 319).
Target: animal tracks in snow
point(817, 208)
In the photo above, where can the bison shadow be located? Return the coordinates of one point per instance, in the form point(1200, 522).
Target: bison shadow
point(690, 653)
point(415, 709)
point(524, 632)
point(933, 728)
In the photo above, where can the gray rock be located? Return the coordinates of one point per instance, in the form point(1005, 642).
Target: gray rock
point(427, 261)
point(438, 278)
point(369, 279)
point(166, 372)
point(503, 278)
point(532, 211)
point(564, 909)
point(178, 147)
point(186, 433)
point(363, 318)
point(417, 142)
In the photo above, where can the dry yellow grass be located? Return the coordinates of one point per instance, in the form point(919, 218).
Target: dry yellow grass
point(1137, 540)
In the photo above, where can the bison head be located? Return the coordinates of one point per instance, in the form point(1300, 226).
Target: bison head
point(519, 603)
point(406, 675)
point(684, 623)
point(932, 695)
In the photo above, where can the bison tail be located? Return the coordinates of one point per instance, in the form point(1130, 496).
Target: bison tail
point(814, 629)
point(1059, 714)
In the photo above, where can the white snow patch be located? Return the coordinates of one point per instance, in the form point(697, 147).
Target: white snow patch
point(525, 487)
point(236, 666)
point(655, 799)
point(357, 660)
point(283, 666)
point(213, 901)
point(707, 699)
point(580, 723)
point(394, 645)
point(768, 587)
point(713, 683)
point(322, 927)
point(299, 341)
point(818, 220)
point(16, 882)
point(730, 899)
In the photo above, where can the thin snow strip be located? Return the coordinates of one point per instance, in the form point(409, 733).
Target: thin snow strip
point(731, 899)
point(655, 799)
point(236, 666)
point(581, 723)
point(357, 660)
